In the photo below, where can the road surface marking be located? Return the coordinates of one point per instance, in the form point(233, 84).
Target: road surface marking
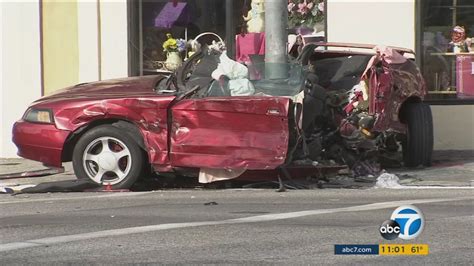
point(252, 219)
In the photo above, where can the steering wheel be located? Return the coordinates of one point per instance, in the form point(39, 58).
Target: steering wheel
point(185, 71)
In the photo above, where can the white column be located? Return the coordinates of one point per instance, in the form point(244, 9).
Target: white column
point(21, 66)
point(114, 39)
point(88, 24)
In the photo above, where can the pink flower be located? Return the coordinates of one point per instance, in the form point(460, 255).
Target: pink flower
point(305, 7)
point(321, 6)
point(291, 6)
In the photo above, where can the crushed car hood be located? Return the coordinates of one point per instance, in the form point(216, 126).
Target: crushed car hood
point(125, 87)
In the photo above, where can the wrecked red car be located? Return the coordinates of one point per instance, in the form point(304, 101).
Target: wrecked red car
point(339, 104)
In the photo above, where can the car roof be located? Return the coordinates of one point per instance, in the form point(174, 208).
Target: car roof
point(360, 47)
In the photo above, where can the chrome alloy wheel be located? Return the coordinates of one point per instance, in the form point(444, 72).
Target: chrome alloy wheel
point(107, 160)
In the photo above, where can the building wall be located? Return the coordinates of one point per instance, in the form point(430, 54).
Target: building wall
point(453, 127)
point(60, 44)
point(21, 66)
point(388, 22)
point(82, 41)
point(114, 39)
point(88, 40)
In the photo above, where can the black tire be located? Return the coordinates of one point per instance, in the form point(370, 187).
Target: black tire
point(128, 167)
point(418, 145)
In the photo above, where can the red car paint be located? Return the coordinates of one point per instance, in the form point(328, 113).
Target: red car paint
point(77, 106)
point(225, 132)
point(389, 88)
point(40, 142)
point(242, 132)
point(221, 132)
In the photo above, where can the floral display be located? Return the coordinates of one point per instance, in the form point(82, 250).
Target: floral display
point(173, 45)
point(305, 12)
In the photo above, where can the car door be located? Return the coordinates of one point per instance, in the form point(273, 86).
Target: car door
point(244, 132)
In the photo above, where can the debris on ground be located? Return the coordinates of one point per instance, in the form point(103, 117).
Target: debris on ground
point(387, 180)
point(79, 185)
point(11, 189)
point(366, 168)
point(36, 173)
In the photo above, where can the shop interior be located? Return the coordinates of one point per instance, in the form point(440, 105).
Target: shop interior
point(447, 50)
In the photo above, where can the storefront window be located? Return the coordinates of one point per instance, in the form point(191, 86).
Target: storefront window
point(161, 20)
point(161, 30)
point(447, 51)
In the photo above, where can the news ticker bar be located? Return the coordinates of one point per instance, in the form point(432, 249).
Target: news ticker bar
point(382, 249)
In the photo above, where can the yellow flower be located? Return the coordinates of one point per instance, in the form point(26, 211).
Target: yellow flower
point(170, 44)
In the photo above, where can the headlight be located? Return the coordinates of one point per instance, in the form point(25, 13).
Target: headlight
point(39, 116)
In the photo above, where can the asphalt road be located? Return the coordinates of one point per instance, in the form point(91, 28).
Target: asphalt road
point(205, 226)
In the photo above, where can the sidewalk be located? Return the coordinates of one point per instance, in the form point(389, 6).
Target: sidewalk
point(17, 165)
point(450, 168)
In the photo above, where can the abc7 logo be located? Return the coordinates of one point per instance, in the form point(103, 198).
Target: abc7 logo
point(406, 222)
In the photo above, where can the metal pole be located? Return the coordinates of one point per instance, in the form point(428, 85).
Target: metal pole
point(229, 28)
point(276, 38)
point(140, 36)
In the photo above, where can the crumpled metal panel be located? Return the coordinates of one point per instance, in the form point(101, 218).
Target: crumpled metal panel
point(396, 85)
point(131, 99)
point(230, 132)
point(389, 89)
point(148, 114)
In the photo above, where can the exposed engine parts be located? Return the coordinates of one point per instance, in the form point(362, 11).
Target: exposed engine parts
point(337, 127)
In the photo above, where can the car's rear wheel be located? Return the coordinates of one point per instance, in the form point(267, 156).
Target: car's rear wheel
point(106, 156)
point(418, 145)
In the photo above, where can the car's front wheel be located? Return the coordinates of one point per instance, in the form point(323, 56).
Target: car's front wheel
point(418, 145)
point(106, 156)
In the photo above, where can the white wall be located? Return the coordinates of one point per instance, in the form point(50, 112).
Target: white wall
point(87, 26)
point(453, 127)
point(388, 22)
point(21, 68)
point(114, 39)
point(1, 78)
point(20, 56)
